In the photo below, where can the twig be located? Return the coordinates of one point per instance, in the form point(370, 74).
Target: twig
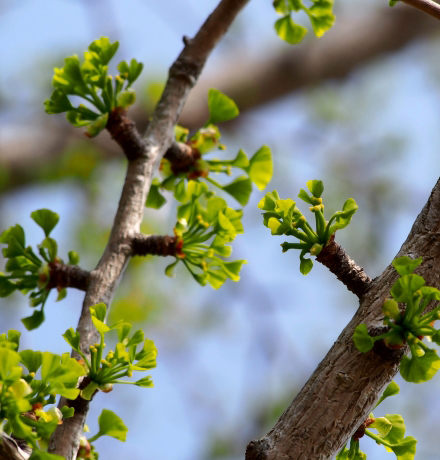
point(158, 138)
point(427, 6)
point(155, 245)
point(64, 276)
point(334, 257)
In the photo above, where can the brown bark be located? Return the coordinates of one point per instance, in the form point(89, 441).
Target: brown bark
point(64, 276)
point(334, 257)
point(155, 245)
point(351, 43)
point(427, 6)
point(158, 138)
point(345, 386)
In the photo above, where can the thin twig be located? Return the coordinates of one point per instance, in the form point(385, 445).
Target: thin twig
point(155, 245)
point(334, 257)
point(158, 138)
point(64, 276)
point(427, 6)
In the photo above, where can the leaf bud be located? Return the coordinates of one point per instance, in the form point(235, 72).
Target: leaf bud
point(391, 309)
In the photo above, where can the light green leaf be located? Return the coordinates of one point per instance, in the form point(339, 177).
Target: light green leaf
point(99, 311)
point(221, 107)
point(110, 425)
point(305, 196)
point(17, 232)
point(97, 125)
point(40, 455)
point(321, 16)
point(240, 189)
point(406, 265)
point(72, 337)
point(343, 218)
point(8, 360)
point(382, 425)
point(145, 382)
point(406, 449)
point(269, 201)
point(6, 287)
point(288, 31)
point(52, 247)
point(155, 199)
point(58, 103)
point(316, 187)
point(362, 339)
point(419, 369)
point(73, 258)
point(31, 359)
point(404, 288)
point(126, 98)
point(397, 432)
point(305, 266)
point(391, 390)
point(104, 49)
point(261, 167)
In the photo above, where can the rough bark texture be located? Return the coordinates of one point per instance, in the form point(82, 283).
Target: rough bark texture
point(250, 83)
point(156, 245)
point(334, 257)
point(64, 276)
point(158, 138)
point(343, 389)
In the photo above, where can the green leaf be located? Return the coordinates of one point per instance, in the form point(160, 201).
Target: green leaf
point(397, 432)
point(72, 337)
point(73, 258)
point(145, 382)
point(123, 331)
point(97, 126)
point(52, 247)
point(110, 425)
point(6, 287)
point(33, 321)
point(305, 197)
point(104, 49)
point(404, 288)
point(221, 107)
point(405, 265)
point(40, 455)
point(316, 187)
point(100, 325)
point(241, 160)
point(169, 270)
point(155, 199)
point(382, 425)
point(362, 339)
point(67, 412)
point(269, 201)
point(288, 31)
point(391, 390)
point(126, 98)
point(17, 232)
point(343, 218)
point(99, 311)
point(321, 16)
point(46, 219)
point(77, 119)
point(261, 167)
point(14, 337)
point(8, 360)
point(31, 359)
point(418, 369)
point(233, 269)
point(240, 189)
point(58, 103)
point(406, 449)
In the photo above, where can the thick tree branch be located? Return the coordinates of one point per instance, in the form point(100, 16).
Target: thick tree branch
point(334, 257)
point(158, 138)
point(427, 6)
point(64, 276)
point(343, 389)
point(155, 245)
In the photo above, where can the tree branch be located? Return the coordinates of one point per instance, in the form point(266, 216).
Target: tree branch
point(64, 276)
point(155, 245)
point(334, 257)
point(158, 138)
point(427, 6)
point(343, 389)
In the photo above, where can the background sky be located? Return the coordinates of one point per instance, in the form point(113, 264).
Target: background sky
point(230, 359)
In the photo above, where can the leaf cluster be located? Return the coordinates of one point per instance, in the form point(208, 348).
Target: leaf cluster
point(23, 395)
point(258, 169)
point(102, 371)
point(28, 272)
point(284, 218)
point(408, 324)
point(90, 81)
point(205, 227)
point(320, 14)
point(390, 434)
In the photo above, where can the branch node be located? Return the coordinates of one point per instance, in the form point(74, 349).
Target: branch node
point(156, 245)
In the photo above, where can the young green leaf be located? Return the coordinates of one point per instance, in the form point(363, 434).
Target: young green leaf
point(240, 189)
point(391, 390)
point(46, 219)
point(419, 369)
point(289, 31)
point(221, 107)
point(261, 167)
point(405, 265)
point(316, 187)
point(33, 321)
point(31, 359)
point(110, 425)
point(362, 339)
